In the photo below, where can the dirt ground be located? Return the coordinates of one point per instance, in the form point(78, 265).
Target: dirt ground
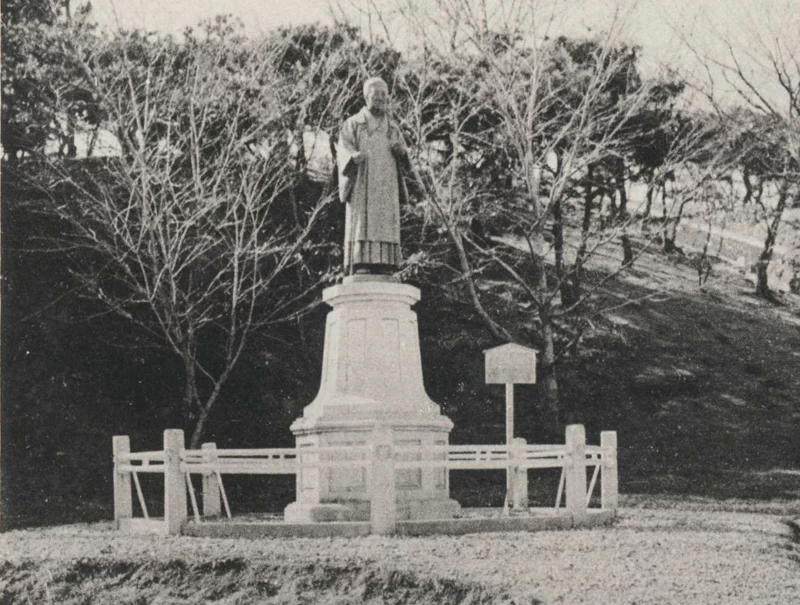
point(689, 551)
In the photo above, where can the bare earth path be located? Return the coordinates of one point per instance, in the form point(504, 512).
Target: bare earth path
point(694, 552)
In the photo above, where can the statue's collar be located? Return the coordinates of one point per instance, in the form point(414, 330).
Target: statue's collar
point(361, 116)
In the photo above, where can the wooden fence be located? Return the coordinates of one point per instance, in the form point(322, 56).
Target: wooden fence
point(381, 457)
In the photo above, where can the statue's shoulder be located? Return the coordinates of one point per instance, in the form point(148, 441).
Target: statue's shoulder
point(357, 120)
point(353, 125)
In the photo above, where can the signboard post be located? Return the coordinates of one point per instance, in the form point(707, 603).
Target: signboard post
point(510, 364)
point(509, 413)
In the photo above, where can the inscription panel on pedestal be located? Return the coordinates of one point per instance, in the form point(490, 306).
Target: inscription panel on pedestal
point(347, 479)
point(356, 353)
point(309, 475)
point(440, 474)
point(408, 478)
point(387, 349)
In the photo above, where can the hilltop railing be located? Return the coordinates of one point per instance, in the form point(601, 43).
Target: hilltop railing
point(380, 457)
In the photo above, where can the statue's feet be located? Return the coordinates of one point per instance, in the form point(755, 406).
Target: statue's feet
point(374, 269)
point(373, 272)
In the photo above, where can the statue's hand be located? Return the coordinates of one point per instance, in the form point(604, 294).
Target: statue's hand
point(397, 148)
point(358, 158)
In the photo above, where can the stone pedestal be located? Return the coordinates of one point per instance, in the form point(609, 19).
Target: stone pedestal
point(371, 383)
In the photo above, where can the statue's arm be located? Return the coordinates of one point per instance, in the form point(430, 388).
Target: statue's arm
point(400, 151)
point(405, 172)
point(397, 144)
point(346, 149)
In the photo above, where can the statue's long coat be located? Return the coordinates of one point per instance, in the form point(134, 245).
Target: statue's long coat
point(372, 191)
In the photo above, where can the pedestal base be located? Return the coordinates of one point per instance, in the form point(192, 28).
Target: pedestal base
point(419, 510)
point(343, 493)
point(309, 512)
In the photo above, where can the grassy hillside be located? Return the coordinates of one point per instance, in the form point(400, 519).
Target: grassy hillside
point(706, 386)
point(701, 383)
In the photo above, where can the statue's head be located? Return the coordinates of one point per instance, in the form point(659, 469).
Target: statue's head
point(376, 94)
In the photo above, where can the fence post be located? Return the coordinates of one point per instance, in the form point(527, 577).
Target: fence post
point(123, 498)
point(175, 512)
point(519, 489)
point(576, 470)
point(383, 508)
point(609, 488)
point(212, 506)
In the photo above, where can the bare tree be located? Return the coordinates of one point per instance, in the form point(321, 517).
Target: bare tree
point(190, 230)
point(754, 83)
point(700, 155)
point(503, 128)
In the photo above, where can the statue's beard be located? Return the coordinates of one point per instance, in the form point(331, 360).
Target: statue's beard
point(377, 111)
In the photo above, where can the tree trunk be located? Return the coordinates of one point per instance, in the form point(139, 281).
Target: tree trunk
point(669, 244)
point(189, 375)
point(586, 223)
point(199, 429)
point(611, 192)
point(558, 238)
point(188, 385)
point(466, 270)
point(333, 181)
point(205, 409)
point(548, 379)
point(748, 186)
point(566, 282)
point(627, 250)
point(760, 191)
point(619, 181)
point(651, 186)
point(300, 166)
point(704, 265)
point(762, 283)
point(191, 395)
point(672, 237)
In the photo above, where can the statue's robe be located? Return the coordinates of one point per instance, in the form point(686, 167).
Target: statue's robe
point(372, 191)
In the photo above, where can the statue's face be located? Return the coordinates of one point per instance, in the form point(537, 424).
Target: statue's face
point(377, 98)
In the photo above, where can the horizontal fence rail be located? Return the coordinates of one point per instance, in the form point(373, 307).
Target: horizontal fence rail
point(276, 461)
point(148, 462)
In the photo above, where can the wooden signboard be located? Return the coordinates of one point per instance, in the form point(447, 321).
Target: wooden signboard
point(510, 364)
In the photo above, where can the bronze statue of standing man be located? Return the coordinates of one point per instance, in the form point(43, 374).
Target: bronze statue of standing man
point(371, 158)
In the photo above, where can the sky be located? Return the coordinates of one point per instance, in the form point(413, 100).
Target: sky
point(652, 21)
point(175, 15)
point(652, 24)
